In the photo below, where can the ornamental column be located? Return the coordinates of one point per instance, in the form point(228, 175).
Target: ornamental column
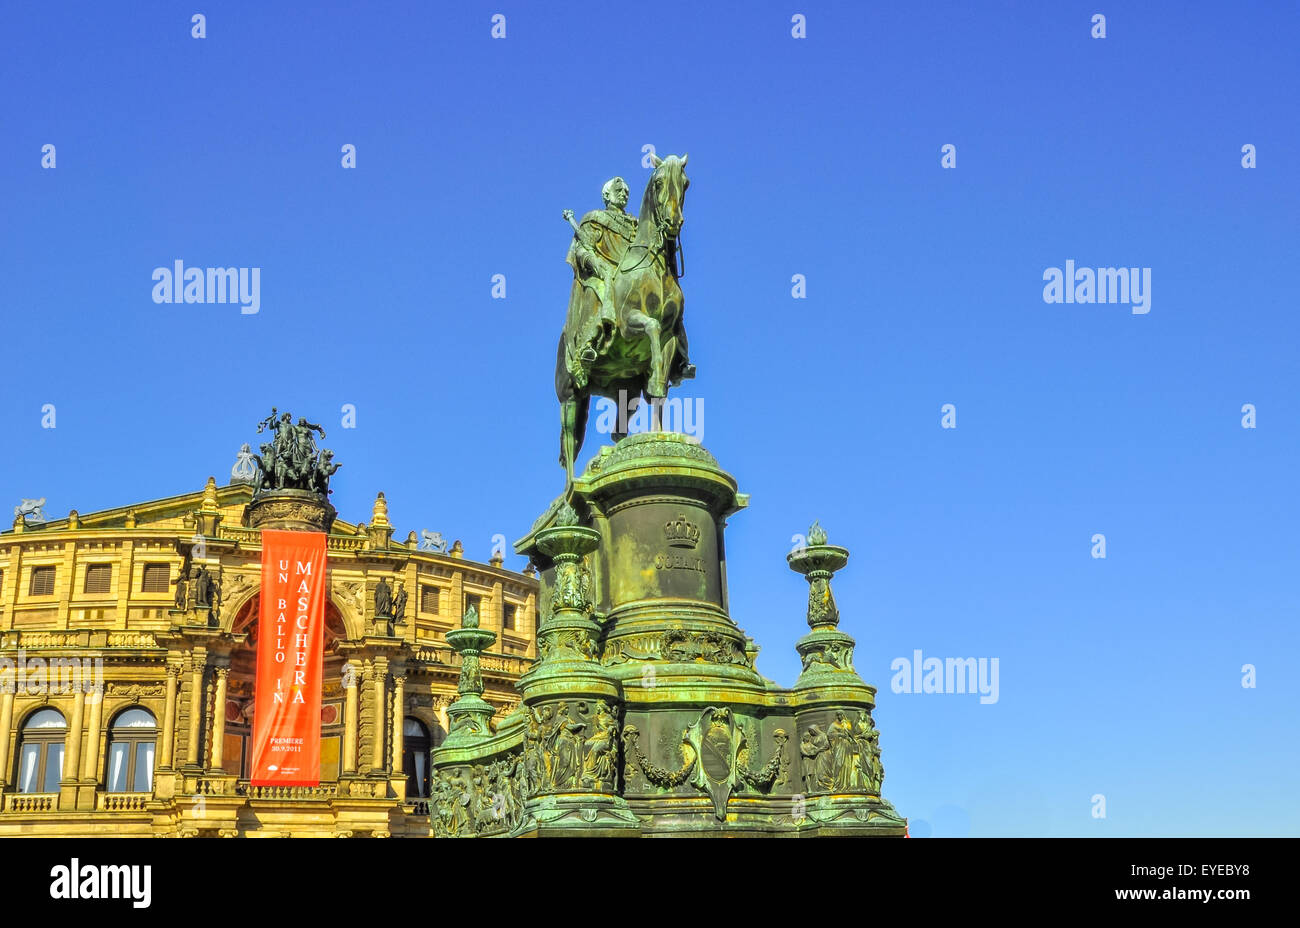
point(169, 720)
point(351, 674)
point(571, 702)
point(197, 661)
point(399, 718)
point(839, 748)
point(72, 762)
point(470, 714)
point(219, 720)
point(377, 747)
point(6, 722)
point(90, 768)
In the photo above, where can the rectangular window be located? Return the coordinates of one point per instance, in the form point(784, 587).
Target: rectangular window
point(329, 759)
point(509, 621)
point(232, 759)
point(115, 782)
point(27, 767)
point(420, 761)
point(42, 581)
point(53, 768)
point(98, 578)
point(143, 767)
point(429, 599)
point(157, 578)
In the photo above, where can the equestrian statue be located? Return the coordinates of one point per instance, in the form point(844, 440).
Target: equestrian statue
point(624, 337)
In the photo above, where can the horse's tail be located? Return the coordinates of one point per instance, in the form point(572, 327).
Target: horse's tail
point(565, 389)
point(573, 428)
point(574, 407)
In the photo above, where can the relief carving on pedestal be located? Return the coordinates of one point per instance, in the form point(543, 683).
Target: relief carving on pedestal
point(845, 757)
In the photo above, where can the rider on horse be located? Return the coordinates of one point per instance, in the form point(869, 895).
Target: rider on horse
point(599, 242)
point(624, 336)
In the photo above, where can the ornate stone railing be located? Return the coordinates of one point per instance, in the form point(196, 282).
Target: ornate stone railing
point(241, 535)
point(365, 789)
point(31, 802)
point(345, 542)
point(504, 664)
point(251, 536)
point(132, 640)
point(416, 807)
point(324, 791)
point(495, 663)
point(121, 802)
point(78, 638)
point(29, 640)
point(213, 786)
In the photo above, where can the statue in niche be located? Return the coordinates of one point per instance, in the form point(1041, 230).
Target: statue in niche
point(383, 599)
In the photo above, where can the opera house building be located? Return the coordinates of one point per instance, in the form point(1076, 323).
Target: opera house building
point(128, 646)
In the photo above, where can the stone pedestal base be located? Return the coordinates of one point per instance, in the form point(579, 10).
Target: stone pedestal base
point(290, 511)
point(850, 815)
point(574, 815)
point(636, 643)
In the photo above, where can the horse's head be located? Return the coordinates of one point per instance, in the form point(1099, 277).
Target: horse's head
point(665, 194)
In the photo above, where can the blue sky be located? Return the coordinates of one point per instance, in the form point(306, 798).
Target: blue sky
point(816, 156)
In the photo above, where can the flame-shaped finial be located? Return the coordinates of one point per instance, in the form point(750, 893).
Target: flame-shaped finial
point(209, 503)
point(566, 515)
point(379, 514)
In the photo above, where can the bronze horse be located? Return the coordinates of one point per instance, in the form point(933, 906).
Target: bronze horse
point(642, 350)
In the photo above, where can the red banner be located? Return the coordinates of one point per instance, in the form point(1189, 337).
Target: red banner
point(290, 658)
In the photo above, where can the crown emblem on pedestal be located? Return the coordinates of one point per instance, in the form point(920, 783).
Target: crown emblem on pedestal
point(682, 533)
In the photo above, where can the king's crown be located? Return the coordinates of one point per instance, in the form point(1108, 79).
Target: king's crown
point(681, 533)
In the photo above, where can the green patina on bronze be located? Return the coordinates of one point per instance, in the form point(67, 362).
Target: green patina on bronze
point(624, 335)
point(291, 477)
point(469, 715)
point(645, 713)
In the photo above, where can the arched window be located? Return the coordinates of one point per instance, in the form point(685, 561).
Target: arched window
point(131, 740)
point(40, 755)
point(415, 758)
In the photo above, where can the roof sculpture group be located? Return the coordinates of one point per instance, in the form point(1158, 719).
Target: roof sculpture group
point(290, 460)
